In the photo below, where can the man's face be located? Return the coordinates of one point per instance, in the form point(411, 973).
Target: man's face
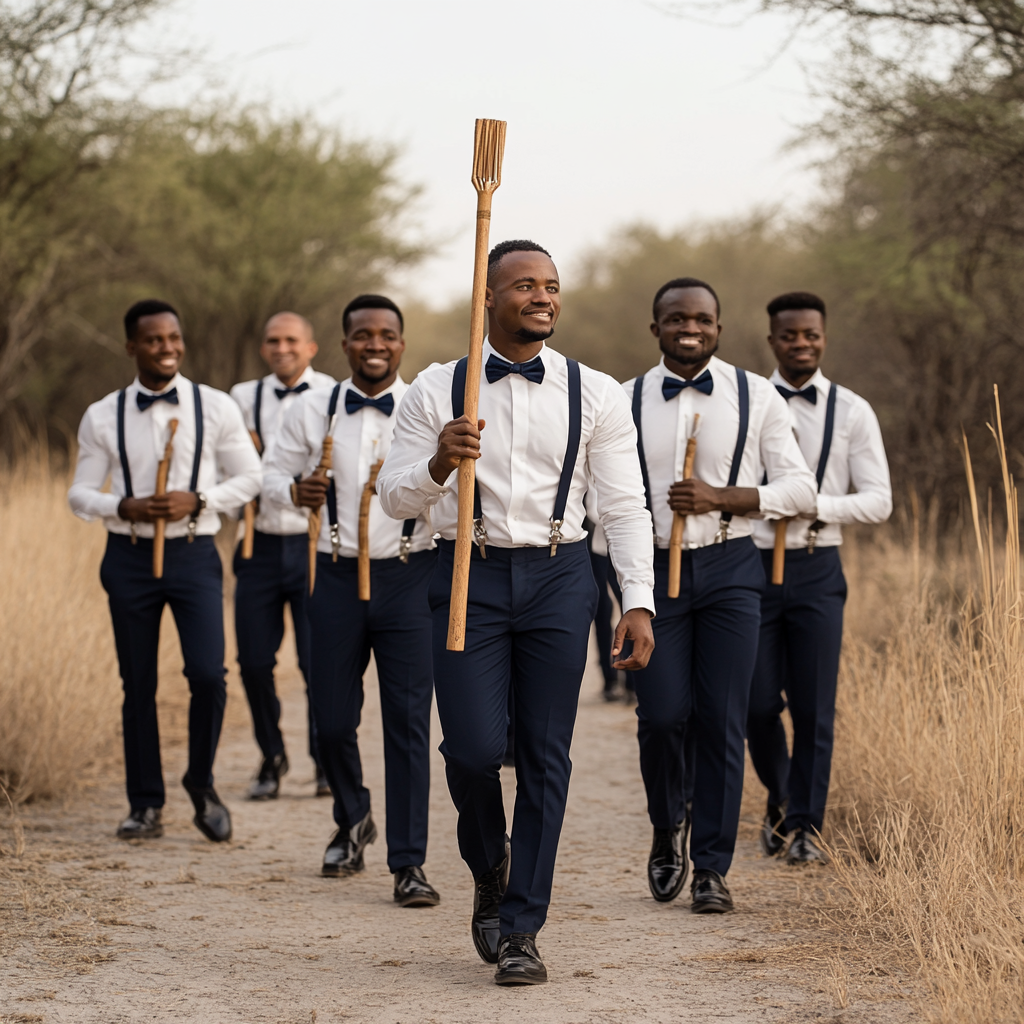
point(686, 325)
point(288, 346)
point(524, 295)
point(158, 347)
point(374, 344)
point(798, 341)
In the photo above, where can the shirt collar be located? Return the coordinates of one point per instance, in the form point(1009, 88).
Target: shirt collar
point(489, 350)
point(306, 377)
point(398, 388)
point(177, 381)
point(818, 380)
point(714, 363)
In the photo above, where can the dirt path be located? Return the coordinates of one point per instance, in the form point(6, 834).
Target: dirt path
point(104, 931)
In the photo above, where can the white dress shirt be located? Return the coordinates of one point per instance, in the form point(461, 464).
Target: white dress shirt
point(281, 520)
point(856, 459)
point(229, 471)
point(523, 448)
point(770, 445)
point(360, 439)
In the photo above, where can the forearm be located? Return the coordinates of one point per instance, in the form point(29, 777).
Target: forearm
point(738, 501)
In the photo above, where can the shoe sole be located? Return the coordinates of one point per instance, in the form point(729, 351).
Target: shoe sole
point(155, 833)
point(417, 901)
point(711, 908)
point(259, 797)
point(519, 979)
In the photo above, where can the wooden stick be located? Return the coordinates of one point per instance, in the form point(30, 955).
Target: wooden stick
point(369, 490)
point(779, 552)
point(250, 509)
point(314, 513)
point(160, 525)
point(488, 149)
point(675, 544)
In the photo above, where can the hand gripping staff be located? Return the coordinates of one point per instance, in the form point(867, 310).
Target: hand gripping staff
point(675, 544)
point(488, 149)
point(322, 469)
point(249, 511)
point(159, 525)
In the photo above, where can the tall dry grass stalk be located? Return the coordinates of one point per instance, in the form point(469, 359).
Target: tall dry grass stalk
point(927, 812)
point(59, 688)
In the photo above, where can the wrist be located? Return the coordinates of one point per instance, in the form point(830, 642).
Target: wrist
point(200, 504)
point(437, 473)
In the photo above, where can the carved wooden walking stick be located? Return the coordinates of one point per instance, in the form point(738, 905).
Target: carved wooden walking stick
point(369, 490)
point(250, 508)
point(159, 525)
point(488, 149)
point(675, 544)
point(314, 513)
point(779, 552)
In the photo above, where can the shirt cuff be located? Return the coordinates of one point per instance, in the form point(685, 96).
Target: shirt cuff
point(770, 506)
point(105, 506)
point(426, 484)
point(827, 511)
point(638, 596)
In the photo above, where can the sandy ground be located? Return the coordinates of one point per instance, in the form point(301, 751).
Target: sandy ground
point(99, 930)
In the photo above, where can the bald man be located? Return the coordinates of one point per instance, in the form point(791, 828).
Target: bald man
point(277, 572)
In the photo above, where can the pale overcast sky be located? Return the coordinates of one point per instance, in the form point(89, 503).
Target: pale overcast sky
point(616, 111)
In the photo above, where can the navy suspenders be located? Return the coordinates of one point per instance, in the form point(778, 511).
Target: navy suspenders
point(404, 545)
point(256, 410)
point(737, 456)
point(197, 458)
point(572, 449)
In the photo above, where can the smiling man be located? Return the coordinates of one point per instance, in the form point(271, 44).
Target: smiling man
point(359, 414)
point(802, 620)
point(700, 672)
point(551, 425)
point(276, 574)
point(213, 468)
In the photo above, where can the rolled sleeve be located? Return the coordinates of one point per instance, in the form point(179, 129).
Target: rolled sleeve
point(792, 489)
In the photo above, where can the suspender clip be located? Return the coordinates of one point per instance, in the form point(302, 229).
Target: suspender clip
point(335, 541)
point(135, 536)
point(723, 532)
point(404, 548)
point(812, 535)
point(480, 536)
point(556, 535)
point(192, 528)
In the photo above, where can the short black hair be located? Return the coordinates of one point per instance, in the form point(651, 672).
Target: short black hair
point(502, 249)
point(684, 282)
point(796, 300)
point(145, 307)
point(370, 302)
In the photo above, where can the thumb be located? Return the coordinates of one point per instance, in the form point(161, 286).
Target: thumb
point(620, 636)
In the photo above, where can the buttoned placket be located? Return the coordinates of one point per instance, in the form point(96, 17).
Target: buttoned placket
point(519, 476)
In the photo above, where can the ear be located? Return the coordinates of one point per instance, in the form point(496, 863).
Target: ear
point(655, 331)
point(313, 349)
point(489, 298)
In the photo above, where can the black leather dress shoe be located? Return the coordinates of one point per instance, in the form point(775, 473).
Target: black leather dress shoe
point(519, 963)
point(487, 892)
point(141, 824)
point(772, 839)
point(267, 783)
point(804, 850)
point(413, 890)
point(323, 787)
point(710, 895)
point(212, 818)
point(668, 866)
point(344, 853)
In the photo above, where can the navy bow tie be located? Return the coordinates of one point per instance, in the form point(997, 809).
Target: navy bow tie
point(671, 386)
point(297, 390)
point(811, 393)
point(145, 401)
point(497, 368)
point(355, 401)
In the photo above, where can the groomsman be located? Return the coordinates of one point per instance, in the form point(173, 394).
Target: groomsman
point(359, 414)
point(700, 672)
point(802, 620)
point(550, 423)
point(277, 573)
point(213, 468)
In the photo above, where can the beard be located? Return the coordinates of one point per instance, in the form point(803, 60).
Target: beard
point(691, 358)
point(527, 335)
point(373, 378)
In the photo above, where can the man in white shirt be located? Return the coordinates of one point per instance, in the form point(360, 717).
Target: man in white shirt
point(213, 468)
point(277, 573)
point(802, 620)
point(706, 637)
point(359, 414)
point(551, 424)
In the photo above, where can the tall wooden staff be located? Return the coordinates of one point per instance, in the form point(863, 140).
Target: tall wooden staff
point(779, 552)
point(488, 149)
point(369, 490)
point(675, 544)
point(162, 469)
point(314, 513)
point(250, 509)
